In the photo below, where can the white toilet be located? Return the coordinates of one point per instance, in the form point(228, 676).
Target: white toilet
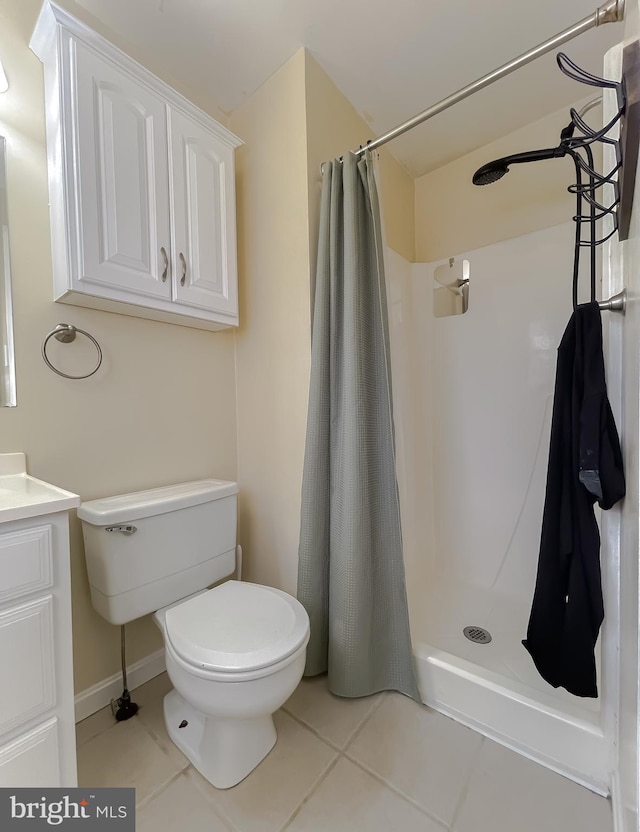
point(234, 653)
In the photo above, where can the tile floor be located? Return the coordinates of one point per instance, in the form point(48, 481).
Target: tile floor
point(382, 764)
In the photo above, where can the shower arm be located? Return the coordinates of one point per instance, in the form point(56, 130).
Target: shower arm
point(610, 12)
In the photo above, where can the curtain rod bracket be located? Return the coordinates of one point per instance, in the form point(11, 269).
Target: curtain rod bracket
point(611, 12)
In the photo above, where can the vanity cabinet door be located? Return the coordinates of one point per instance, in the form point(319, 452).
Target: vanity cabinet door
point(32, 759)
point(123, 222)
point(203, 209)
point(27, 656)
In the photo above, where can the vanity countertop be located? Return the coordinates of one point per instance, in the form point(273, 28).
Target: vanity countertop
point(22, 495)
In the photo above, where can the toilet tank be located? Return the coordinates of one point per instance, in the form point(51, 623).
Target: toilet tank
point(150, 548)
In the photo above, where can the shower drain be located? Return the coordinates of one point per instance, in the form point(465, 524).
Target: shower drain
point(477, 634)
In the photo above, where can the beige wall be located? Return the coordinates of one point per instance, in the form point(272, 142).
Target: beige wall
point(334, 128)
point(273, 339)
point(453, 215)
point(162, 408)
point(290, 125)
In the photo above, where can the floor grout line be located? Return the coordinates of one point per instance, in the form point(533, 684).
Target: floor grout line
point(407, 798)
point(314, 731)
point(359, 728)
point(159, 790)
point(326, 740)
point(92, 716)
point(156, 741)
point(361, 725)
point(314, 788)
point(465, 788)
point(217, 810)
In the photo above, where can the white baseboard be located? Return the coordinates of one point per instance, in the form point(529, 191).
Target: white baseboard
point(99, 696)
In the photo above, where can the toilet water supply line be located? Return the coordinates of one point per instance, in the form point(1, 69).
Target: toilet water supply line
point(123, 708)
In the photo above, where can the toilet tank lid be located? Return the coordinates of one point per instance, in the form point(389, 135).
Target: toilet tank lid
point(127, 507)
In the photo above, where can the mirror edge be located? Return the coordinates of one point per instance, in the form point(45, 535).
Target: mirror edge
point(8, 397)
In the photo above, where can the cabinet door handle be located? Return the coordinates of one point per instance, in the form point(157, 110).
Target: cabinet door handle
point(165, 269)
point(184, 268)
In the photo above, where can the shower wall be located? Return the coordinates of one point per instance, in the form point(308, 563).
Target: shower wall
point(473, 397)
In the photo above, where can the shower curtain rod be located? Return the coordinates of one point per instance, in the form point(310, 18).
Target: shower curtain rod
point(611, 12)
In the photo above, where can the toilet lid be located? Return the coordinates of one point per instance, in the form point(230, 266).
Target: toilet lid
point(237, 626)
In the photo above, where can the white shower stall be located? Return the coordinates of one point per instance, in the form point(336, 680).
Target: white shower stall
point(473, 397)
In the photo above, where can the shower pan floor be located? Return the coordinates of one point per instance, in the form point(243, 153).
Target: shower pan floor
point(443, 607)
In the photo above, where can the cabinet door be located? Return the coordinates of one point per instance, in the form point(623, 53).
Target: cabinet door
point(25, 561)
point(203, 202)
point(123, 181)
point(32, 759)
point(27, 662)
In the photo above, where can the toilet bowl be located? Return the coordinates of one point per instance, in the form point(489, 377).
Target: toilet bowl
point(234, 653)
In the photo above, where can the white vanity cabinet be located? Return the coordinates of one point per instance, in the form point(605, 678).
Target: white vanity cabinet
point(37, 726)
point(142, 185)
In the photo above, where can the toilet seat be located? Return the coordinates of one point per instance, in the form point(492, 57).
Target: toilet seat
point(237, 629)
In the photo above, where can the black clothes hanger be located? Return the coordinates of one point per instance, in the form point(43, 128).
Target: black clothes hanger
point(576, 140)
point(578, 137)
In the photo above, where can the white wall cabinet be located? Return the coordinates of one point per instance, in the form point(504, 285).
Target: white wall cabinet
point(142, 185)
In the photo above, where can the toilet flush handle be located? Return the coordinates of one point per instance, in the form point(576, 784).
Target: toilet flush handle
point(124, 529)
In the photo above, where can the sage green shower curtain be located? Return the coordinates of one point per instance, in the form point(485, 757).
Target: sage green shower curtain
point(351, 571)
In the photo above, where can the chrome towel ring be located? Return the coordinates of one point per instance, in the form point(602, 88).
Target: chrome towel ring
point(66, 333)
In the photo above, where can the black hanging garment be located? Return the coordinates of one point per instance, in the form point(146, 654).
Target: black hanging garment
point(585, 465)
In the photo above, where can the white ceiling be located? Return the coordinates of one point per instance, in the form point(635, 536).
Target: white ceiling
point(391, 58)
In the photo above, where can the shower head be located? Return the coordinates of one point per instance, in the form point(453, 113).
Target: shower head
point(492, 171)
